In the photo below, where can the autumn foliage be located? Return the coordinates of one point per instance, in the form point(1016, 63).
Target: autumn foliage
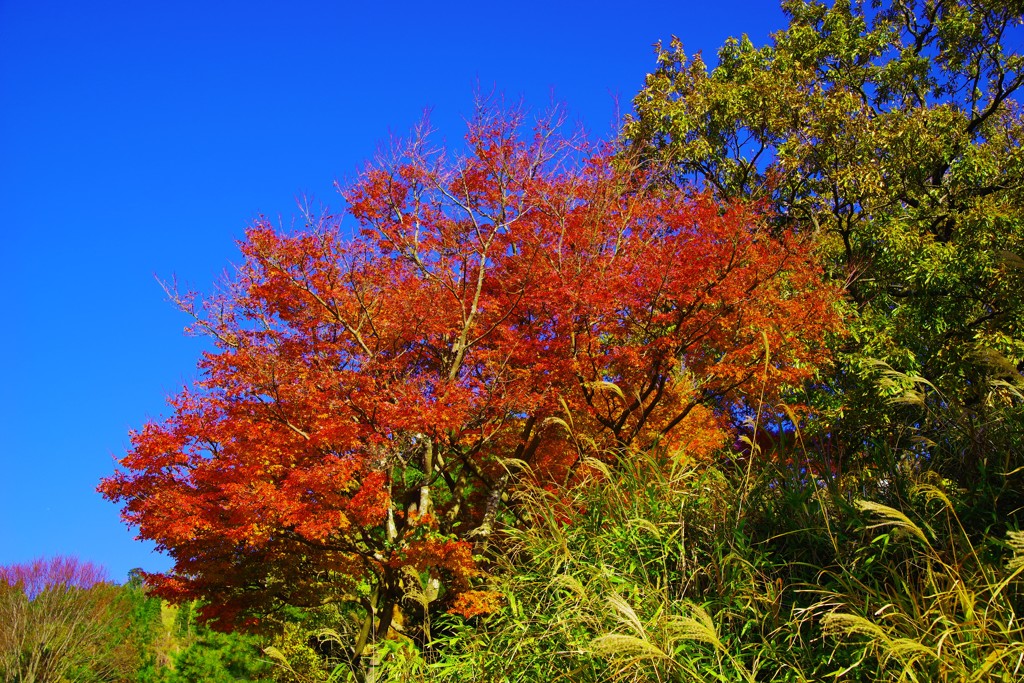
point(61, 619)
point(373, 397)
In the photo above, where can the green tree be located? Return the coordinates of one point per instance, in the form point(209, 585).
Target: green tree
point(198, 653)
point(219, 658)
point(891, 132)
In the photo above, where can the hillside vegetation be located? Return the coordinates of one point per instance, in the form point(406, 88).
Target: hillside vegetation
point(738, 396)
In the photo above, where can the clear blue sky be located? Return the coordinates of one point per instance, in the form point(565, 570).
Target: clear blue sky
point(138, 139)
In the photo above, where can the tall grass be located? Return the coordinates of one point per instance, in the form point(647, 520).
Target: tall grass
point(640, 575)
point(935, 611)
point(649, 574)
point(667, 570)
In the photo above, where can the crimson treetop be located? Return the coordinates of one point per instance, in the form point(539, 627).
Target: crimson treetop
point(367, 396)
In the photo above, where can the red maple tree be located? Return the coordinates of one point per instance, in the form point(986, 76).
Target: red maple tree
point(369, 397)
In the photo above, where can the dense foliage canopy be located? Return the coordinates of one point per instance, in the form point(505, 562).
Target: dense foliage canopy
point(892, 131)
